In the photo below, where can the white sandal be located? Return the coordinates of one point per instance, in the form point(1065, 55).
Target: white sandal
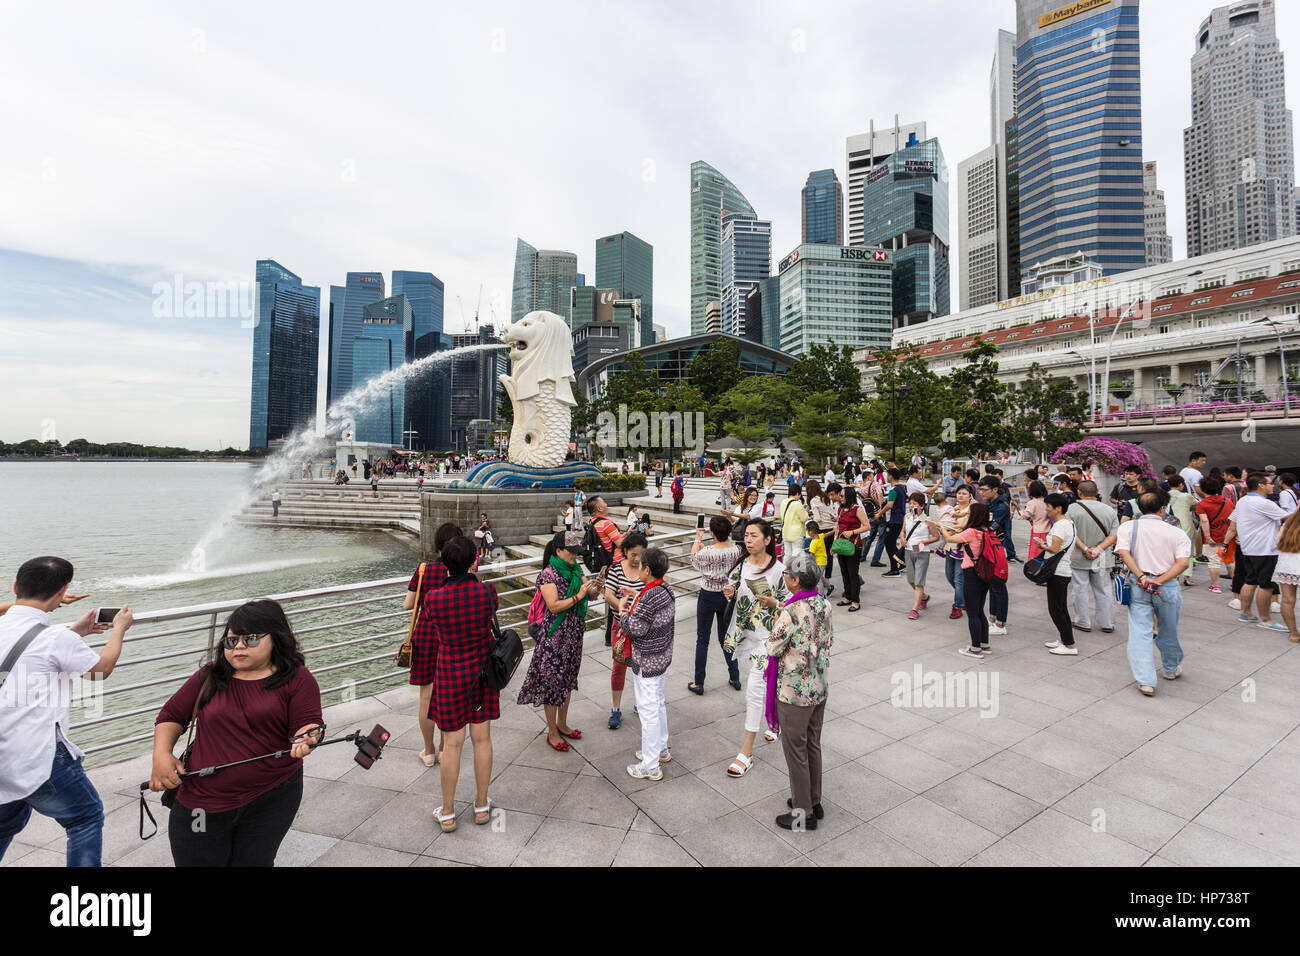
point(739, 766)
point(447, 821)
point(429, 759)
point(771, 736)
point(485, 812)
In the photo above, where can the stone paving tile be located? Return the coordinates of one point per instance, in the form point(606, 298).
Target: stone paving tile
point(405, 823)
point(935, 832)
point(650, 849)
point(866, 845)
point(338, 808)
point(1128, 819)
point(1235, 751)
point(495, 844)
point(1068, 842)
point(984, 802)
point(999, 730)
point(348, 854)
point(300, 848)
point(1257, 826)
point(836, 822)
point(909, 766)
point(895, 722)
point(1006, 853)
point(396, 769)
point(595, 800)
point(1196, 845)
point(1116, 741)
point(1158, 861)
point(530, 789)
point(852, 738)
point(1027, 776)
point(570, 843)
point(1274, 783)
point(643, 824)
point(1189, 765)
point(736, 839)
point(1171, 794)
point(948, 743)
point(1064, 753)
point(677, 804)
point(862, 792)
point(37, 858)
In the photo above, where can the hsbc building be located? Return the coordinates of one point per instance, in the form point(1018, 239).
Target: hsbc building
point(837, 294)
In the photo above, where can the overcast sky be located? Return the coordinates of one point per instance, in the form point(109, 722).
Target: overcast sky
point(145, 140)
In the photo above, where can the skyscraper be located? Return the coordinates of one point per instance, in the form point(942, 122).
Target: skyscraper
point(712, 195)
point(837, 295)
point(380, 348)
point(863, 153)
point(333, 329)
point(475, 385)
point(1238, 154)
point(905, 201)
point(542, 281)
point(1159, 244)
point(763, 312)
point(627, 264)
point(427, 407)
point(1002, 110)
point(822, 203)
point(979, 246)
point(286, 349)
point(1079, 107)
point(746, 258)
point(362, 289)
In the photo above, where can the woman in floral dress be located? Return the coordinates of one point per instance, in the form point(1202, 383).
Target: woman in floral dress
point(553, 671)
point(758, 585)
point(800, 646)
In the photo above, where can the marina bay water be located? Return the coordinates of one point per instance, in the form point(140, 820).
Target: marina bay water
point(130, 529)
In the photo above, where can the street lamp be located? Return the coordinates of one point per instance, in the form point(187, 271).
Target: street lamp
point(1127, 312)
point(1084, 362)
point(1286, 389)
point(894, 391)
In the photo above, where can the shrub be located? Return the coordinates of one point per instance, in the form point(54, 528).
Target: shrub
point(609, 481)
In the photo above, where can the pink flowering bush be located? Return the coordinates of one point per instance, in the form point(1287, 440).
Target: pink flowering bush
point(1109, 454)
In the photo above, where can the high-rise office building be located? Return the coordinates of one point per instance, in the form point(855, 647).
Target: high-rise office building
point(763, 312)
point(979, 249)
point(1159, 244)
point(475, 386)
point(379, 349)
point(626, 264)
point(333, 327)
point(863, 152)
point(713, 318)
point(543, 280)
point(746, 258)
point(362, 289)
point(712, 196)
point(597, 340)
point(1079, 109)
point(428, 412)
point(905, 201)
point(1238, 154)
point(286, 350)
point(590, 304)
point(661, 334)
point(1011, 191)
point(836, 295)
point(1002, 85)
point(822, 205)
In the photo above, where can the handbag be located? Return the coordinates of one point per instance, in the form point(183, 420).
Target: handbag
point(844, 547)
point(503, 660)
point(403, 658)
point(622, 644)
point(1124, 590)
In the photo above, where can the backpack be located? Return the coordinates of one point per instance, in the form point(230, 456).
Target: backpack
point(991, 565)
point(597, 557)
point(677, 487)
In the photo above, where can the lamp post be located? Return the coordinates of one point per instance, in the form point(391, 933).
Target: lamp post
point(1091, 376)
point(1106, 392)
point(1286, 388)
point(894, 391)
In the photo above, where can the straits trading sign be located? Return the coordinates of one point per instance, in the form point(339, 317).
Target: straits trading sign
point(1053, 291)
point(1073, 10)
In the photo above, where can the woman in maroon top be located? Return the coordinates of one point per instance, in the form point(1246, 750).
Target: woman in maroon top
point(424, 639)
point(257, 697)
point(462, 611)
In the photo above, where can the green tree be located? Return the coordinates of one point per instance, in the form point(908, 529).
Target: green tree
point(913, 415)
point(826, 368)
point(713, 372)
point(979, 404)
point(1046, 411)
point(820, 426)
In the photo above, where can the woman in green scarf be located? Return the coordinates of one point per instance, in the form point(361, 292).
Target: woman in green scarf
point(553, 671)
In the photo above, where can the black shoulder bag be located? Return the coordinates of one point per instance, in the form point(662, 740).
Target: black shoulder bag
point(503, 660)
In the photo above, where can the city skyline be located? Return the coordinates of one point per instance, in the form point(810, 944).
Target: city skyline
point(196, 165)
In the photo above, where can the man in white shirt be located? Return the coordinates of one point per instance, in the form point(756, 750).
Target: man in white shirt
point(40, 768)
point(1155, 553)
point(1255, 523)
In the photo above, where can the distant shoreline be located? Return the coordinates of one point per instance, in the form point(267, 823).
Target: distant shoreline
point(73, 459)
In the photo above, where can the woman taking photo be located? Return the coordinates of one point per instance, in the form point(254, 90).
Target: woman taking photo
point(461, 612)
point(622, 574)
point(974, 588)
point(715, 562)
point(750, 507)
point(850, 523)
point(428, 577)
point(257, 697)
point(557, 657)
point(800, 645)
point(758, 586)
point(1035, 512)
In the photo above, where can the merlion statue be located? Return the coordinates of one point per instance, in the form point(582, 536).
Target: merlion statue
point(540, 389)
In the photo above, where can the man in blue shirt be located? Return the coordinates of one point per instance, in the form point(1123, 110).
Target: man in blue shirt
point(999, 512)
point(952, 481)
point(896, 510)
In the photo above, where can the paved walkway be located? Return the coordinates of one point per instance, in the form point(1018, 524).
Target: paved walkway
point(1076, 768)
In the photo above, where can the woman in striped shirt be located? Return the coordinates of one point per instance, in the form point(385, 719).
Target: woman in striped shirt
point(714, 562)
point(622, 574)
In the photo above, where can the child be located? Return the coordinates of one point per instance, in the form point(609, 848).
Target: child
point(815, 545)
point(914, 541)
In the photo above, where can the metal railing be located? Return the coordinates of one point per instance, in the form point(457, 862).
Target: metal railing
point(346, 631)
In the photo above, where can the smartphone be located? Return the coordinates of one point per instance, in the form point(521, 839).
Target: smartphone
point(105, 615)
point(699, 520)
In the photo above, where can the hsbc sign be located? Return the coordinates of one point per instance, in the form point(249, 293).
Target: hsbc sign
point(877, 255)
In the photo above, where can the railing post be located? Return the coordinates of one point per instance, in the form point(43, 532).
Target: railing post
point(212, 638)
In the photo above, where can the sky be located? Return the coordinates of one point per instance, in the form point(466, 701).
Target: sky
point(152, 141)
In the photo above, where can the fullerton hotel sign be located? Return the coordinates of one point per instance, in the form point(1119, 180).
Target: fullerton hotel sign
point(1054, 291)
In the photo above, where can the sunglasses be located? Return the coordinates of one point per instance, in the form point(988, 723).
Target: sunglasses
point(231, 641)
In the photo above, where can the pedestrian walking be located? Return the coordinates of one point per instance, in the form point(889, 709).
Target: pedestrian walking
point(275, 503)
point(977, 538)
point(1255, 524)
point(1155, 553)
point(1095, 527)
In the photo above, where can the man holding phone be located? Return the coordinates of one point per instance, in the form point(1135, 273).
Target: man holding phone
point(41, 766)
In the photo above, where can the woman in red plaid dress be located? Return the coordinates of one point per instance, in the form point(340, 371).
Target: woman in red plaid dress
point(424, 640)
point(461, 612)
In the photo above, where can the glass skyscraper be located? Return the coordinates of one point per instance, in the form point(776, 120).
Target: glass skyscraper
point(823, 208)
point(362, 289)
point(1079, 112)
point(380, 348)
point(286, 349)
point(626, 264)
point(712, 195)
point(763, 312)
point(905, 210)
point(837, 295)
point(521, 300)
point(746, 254)
point(427, 406)
point(542, 281)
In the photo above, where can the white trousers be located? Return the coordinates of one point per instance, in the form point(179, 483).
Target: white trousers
point(1098, 582)
point(652, 709)
point(756, 694)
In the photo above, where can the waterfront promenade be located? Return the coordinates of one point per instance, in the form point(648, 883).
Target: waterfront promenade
point(1076, 768)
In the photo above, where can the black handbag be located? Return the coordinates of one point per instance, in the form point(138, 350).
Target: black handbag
point(1042, 568)
point(503, 660)
point(730, 609)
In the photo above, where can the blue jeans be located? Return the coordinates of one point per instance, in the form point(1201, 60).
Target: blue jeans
point(952, 571)
point(1143, 610)
point(877, 535)
point(70, 798)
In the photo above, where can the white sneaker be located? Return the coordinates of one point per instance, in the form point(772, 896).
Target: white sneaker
point(1275, 608)
point(993, 629)
point(1051, 644)
point(1235, 604)
point(1071, 651)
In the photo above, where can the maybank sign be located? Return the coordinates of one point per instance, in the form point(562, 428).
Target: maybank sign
point(1073, 10)
point(1054, 291)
